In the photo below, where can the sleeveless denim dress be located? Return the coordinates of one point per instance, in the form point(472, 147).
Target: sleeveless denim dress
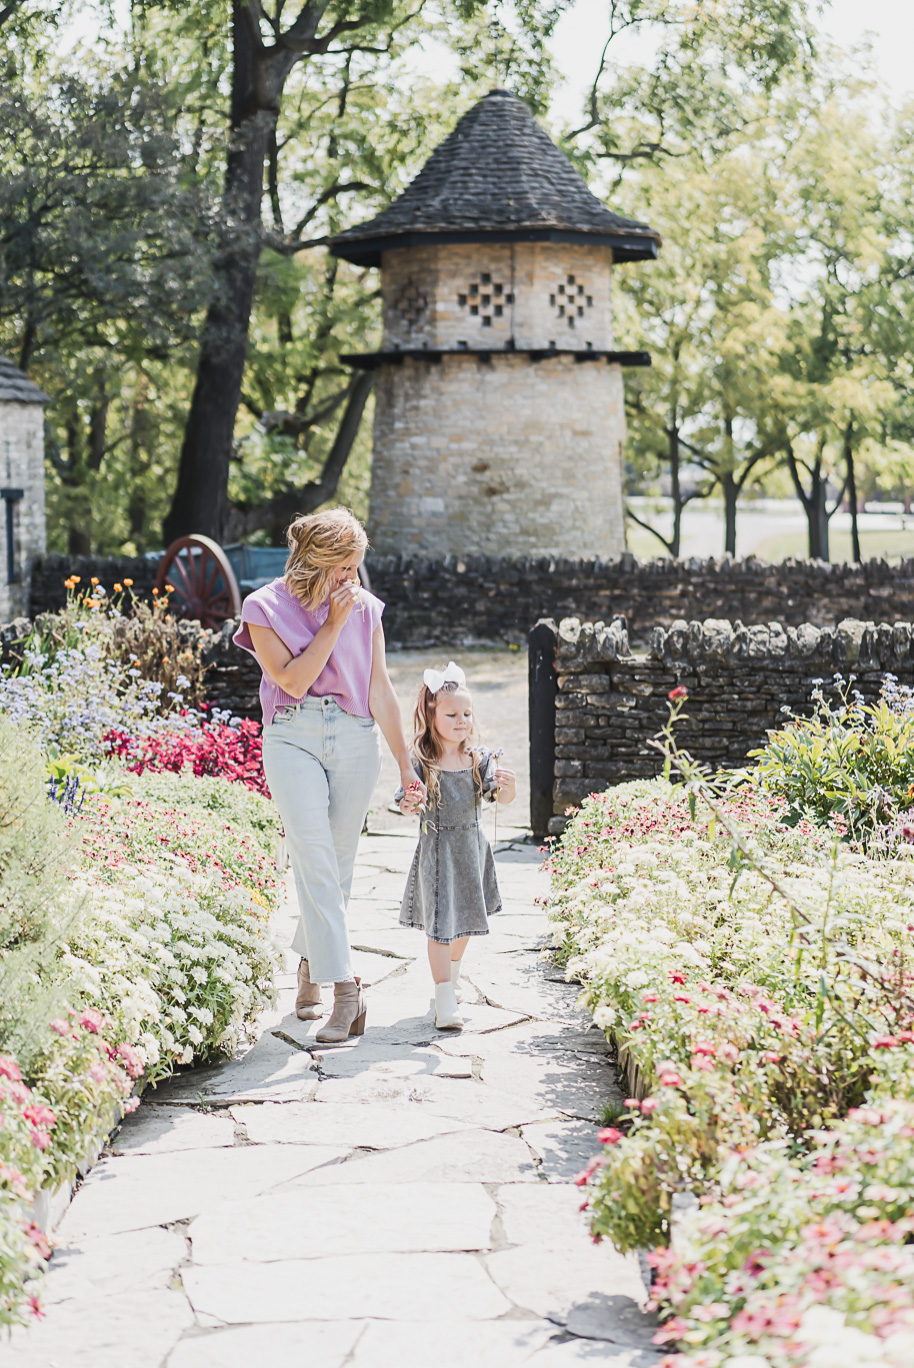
point(452, 889)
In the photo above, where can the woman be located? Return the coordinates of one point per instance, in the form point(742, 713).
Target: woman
point(317, 637)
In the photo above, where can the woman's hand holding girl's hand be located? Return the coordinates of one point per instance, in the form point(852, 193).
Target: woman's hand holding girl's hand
point(507, 785)
point(342, 601)
point(414, 794)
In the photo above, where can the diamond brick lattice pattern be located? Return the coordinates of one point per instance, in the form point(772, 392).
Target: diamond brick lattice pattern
point(410, 303)
point(571, 300)
point(485, 299)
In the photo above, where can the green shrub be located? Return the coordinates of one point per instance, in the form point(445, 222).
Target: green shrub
point(850, 764)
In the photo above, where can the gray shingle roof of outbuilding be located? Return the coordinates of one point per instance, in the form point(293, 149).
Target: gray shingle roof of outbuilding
point(16, 387)
point(498, 177)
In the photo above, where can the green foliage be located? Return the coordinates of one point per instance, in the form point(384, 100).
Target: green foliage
point(850, 765)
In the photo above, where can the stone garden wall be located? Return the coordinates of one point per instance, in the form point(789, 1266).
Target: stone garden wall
point(454, 602)
point(610, 702)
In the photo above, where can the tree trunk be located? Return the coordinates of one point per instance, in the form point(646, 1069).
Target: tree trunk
point(852, 490)
point(730, 491)
point(200, 499)
point(817, 517)
point(675, 490)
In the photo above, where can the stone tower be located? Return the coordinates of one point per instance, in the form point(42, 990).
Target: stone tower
point(22, 524)
point(499, 420)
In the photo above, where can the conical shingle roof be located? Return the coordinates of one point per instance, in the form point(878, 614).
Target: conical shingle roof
point(497, 177)
point(16, 387)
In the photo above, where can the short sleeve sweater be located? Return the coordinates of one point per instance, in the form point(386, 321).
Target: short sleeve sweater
point(347, 674)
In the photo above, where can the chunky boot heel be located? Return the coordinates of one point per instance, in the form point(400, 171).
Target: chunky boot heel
point(348, 1016)
point(308, 1002)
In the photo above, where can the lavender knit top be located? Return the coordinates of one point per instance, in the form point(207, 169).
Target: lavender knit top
point(347, 674)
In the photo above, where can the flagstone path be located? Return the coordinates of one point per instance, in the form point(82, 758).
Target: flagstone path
point(403, 1200)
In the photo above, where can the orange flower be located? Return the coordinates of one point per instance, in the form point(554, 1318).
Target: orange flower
point(155, 591)
point(94, 579)
point(118, 588)
point(129, 583)
point(75, 579)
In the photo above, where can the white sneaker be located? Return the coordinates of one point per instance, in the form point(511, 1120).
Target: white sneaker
point(455, 978)
point(447, 1016)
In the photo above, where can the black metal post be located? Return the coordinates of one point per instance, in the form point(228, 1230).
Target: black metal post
point(11, 497)
point(542, 691)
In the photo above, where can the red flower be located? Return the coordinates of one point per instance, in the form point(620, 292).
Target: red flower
point(677, 694)
point(609, 1136)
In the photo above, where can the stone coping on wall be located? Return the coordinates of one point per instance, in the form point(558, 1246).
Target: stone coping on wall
point(742, 681)
point(477, 599)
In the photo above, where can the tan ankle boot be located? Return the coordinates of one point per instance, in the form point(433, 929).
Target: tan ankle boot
point(308, 1002)
point(348, 1016)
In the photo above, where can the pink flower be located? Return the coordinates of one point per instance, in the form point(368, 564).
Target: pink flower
point(60, 1027)
point(609, 1136)
point(703, 1047)
point(885, 1042)
point(671, 1080)
point(771, 1057)
point(677, 694)
point(649, 1105)
point(681, 997)
point(40, 1139)
point(37, 1115)
point(132, 1061)
point(97, 1072)
point(91, 1020)
point(36, 1308)
point(36, 1236)
point(10, 1069)
point(674, 1329)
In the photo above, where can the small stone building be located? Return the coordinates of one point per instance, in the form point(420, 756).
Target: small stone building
point(22, 522)
point(499, 420)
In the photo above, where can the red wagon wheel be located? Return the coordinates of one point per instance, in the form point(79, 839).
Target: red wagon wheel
point(204, 583)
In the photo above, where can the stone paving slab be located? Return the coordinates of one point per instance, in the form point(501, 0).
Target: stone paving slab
point(371, 1218)
point(342, 1124)
point(400, 1287)
point(546, 1285)
point(158, 1189)
point(137, 1329)
point(470, 1156)
point(162, 1130)
point(396, 1060)
point(461, 1099)
point(114, 1264)
point(272, 1071)
point(320, 1344)
point(562, 1147)
point(453, 1344)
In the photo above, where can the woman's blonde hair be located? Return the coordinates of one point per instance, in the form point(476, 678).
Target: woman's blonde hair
point(318, 543)
point(427, 746)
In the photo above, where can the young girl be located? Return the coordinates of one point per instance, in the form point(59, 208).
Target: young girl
point(452, 890)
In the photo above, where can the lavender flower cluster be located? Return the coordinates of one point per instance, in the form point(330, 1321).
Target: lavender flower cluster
point(75, 697)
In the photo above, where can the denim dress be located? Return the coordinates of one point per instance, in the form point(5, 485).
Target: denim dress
point(452, 889)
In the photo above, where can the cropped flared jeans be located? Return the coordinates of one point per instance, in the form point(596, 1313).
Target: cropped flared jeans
point(322, 765)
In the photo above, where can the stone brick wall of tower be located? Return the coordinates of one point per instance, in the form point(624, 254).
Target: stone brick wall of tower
point(500, 457)
point(21, 467)
point(479, 297)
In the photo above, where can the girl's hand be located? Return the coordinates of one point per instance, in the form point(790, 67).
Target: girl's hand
point(342, 601)
point(507, 785)
point(414, 794)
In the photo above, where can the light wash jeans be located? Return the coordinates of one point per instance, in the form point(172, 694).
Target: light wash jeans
point(322, 765)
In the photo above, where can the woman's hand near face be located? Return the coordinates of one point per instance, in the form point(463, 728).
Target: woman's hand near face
point(342, 601)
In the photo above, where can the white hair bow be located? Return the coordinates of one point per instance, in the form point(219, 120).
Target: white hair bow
point(436, 679)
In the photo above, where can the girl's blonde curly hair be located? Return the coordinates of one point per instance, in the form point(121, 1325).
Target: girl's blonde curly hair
point(427, 746)
point(318, 543)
